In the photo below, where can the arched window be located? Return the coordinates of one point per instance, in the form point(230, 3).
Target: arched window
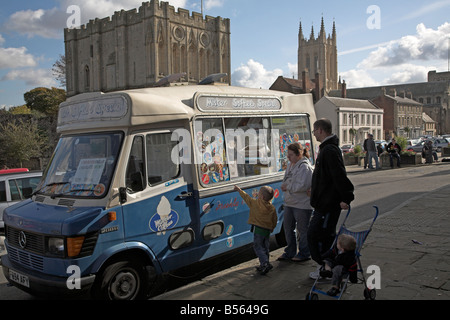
point(87, 78)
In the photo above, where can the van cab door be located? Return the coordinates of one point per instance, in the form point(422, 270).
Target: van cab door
point(158, 208)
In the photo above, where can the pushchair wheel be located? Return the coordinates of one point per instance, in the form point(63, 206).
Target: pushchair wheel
point(312, 296)
point(370, 294)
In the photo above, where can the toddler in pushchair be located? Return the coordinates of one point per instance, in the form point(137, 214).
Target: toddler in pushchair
point(339, 261)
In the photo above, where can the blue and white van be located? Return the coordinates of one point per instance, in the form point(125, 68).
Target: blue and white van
point(141, 183)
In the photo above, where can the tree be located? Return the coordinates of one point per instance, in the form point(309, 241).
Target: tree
point(23, 109)
point(45, 100)
point(407, 130)
point(59, 70)
point(20, 141)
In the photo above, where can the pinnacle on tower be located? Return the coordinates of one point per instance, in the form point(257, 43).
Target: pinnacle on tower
point(334, 30)
point(300, 31)
point(322, 29)
point(311, 37)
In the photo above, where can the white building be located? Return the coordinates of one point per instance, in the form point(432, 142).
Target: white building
point(352, 119)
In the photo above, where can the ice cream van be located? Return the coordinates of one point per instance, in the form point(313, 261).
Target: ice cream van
point(141, 183)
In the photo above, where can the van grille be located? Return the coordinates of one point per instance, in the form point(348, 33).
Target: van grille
point(34, 242)
point(26, 259)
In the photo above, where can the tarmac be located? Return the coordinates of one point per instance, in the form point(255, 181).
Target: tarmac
point(410, 245)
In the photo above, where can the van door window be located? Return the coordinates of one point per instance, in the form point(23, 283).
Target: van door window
point(134, 179)
point(160, 166)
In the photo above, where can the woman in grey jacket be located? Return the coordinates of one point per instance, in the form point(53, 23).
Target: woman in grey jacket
point(297, 208)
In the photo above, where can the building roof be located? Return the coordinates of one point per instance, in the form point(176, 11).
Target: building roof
point(351, 103)
point(294, 85)
point(417, 89)
point(402, 100)
point(426, 118)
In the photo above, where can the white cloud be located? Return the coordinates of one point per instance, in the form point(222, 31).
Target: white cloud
point(43, 23)
point(209, 4)
point(32, 77)
point(254, 75)
point(405, 60)
point(427, 44)
point(50, 23)
point(15, 58)
point(293, 70)
point(408, 73)
point(2, 40)
point(356, 78)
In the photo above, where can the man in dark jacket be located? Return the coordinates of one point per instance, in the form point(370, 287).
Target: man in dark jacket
point(393, 148)
point(331, 192)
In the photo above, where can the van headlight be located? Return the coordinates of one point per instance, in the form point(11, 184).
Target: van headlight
point(55, 246)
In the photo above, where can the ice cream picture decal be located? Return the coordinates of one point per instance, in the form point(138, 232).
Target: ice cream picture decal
point(165, 218)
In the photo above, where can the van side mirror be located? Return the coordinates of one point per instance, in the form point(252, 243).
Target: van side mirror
point(123, 195)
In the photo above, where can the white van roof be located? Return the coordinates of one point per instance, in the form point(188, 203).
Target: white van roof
point(150, 105)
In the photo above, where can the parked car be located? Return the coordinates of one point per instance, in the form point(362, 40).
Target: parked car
point(440, 143)
point(412, 142)
point(418, 147)
point(16, 185)
point(347, 148)
point(383, 143)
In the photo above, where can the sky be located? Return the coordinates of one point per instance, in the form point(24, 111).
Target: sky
point(379, 42)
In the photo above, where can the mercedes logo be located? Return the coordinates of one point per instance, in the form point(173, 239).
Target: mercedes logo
point(22, 239)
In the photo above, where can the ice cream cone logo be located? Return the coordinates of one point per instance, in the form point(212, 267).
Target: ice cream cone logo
point(165, 218)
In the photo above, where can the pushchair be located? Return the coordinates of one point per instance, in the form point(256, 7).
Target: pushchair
point(361, 236)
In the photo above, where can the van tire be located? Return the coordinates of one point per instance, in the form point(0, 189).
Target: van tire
point(123, 280)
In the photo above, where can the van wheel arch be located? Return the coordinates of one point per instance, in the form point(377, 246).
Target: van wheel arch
point(133, 265)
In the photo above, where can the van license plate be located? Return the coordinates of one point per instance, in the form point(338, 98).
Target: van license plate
point(19, 278)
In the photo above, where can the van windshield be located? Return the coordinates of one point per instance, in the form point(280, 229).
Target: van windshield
point(82, 165)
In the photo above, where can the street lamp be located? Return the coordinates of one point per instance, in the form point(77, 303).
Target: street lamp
point(352, 130)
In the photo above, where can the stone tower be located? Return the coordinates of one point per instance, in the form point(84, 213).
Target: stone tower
point(137, 48)
point(317, 59)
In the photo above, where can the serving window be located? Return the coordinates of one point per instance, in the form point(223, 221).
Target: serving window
point(235, 148)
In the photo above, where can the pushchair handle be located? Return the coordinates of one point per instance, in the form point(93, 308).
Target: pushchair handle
point(374, 218)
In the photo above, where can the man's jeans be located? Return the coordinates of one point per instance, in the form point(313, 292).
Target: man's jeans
point(296, 219)
point(321, 233)
point(374, 155)
point(397, 156)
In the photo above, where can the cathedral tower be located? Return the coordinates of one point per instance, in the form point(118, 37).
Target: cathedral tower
point(317, 58)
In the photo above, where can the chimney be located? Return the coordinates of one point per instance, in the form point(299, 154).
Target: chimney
point(409, 95)
point(304, 81)
point(393, 92)
point(344, 90)
point(317, 81)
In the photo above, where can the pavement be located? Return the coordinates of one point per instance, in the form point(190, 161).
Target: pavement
point(410, 245)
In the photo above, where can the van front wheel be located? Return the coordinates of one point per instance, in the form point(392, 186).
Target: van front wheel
point(123, 280)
